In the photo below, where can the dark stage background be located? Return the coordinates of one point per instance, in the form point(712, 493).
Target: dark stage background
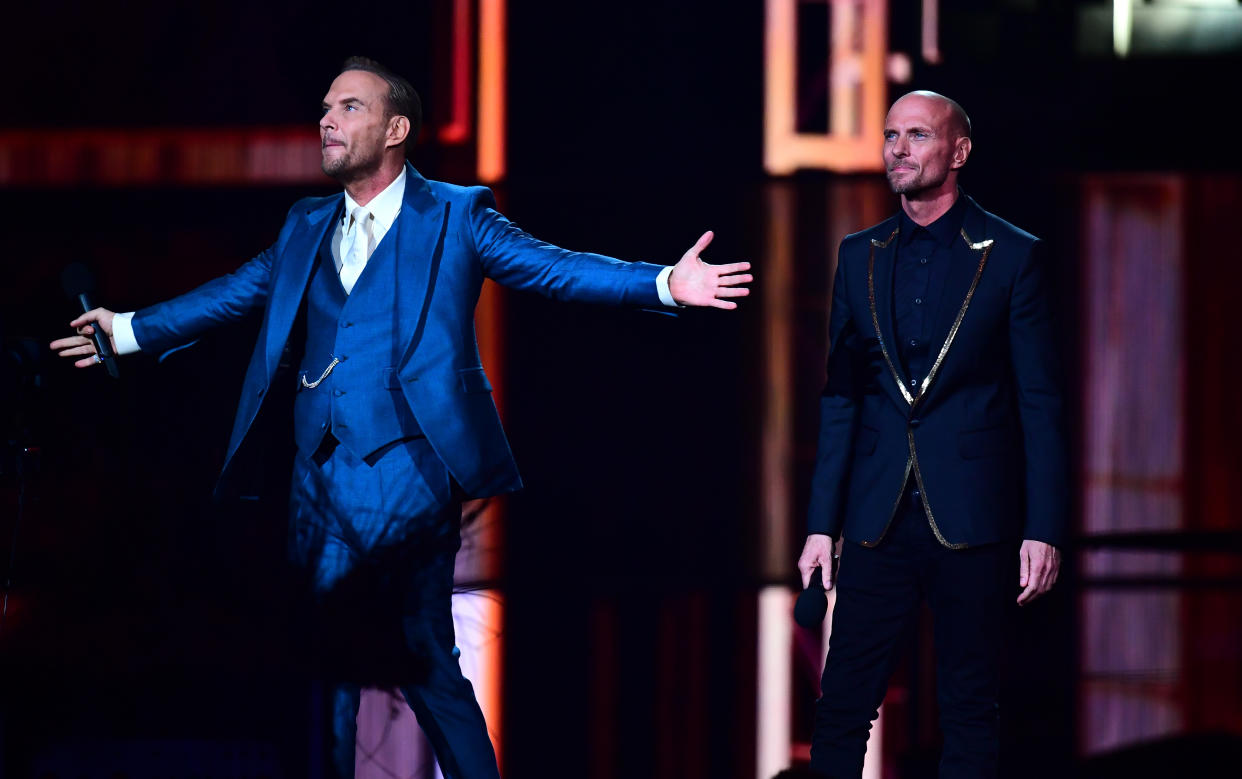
point(143, 618)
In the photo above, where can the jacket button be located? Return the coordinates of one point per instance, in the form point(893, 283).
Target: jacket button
point(347, 324)
point(338, 392)
point(915, 422)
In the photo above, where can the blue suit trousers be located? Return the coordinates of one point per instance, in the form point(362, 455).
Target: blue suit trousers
point(375, 540)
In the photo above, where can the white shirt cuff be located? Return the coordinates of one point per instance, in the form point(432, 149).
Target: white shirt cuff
point(123, 334)
point(666, 296)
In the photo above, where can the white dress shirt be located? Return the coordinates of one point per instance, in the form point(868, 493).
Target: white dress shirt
point(384, 208)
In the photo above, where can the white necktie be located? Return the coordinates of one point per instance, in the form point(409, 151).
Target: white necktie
point(355, 247)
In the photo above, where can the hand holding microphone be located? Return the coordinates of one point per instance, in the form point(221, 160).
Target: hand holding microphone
point(94, 340)
point(818, 567)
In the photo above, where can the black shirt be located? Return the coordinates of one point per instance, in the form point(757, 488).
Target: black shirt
point(923, 258)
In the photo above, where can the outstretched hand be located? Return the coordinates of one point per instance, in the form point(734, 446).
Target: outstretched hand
point(80, 345)
point(697, 283)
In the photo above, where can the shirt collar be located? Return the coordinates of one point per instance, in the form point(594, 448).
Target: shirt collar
point(943, 230)
point(385, 206)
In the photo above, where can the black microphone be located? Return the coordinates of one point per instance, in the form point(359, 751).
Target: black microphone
point(79, 284)
point(812, 603)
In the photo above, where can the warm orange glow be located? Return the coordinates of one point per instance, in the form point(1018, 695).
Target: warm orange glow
point(492, 60)
point(458, 128)
point(477, 617)
point(931, 32)
point(149, 157)
point(487, 537)
point(857, 92)
point(777, 431)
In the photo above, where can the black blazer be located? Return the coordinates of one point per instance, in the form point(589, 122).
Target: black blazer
point(982, 433)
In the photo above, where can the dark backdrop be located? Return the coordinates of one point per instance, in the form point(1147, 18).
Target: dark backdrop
point(142, 610)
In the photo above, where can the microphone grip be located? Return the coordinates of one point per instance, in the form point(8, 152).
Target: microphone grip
point(103, 342)
point(812, 603)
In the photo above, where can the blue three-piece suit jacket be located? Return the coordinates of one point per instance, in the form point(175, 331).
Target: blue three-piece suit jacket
point(448, 239)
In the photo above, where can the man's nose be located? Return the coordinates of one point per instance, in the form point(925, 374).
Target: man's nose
point(326, 122)
point(901, 147)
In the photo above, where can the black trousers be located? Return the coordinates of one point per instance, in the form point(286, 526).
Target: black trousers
point(879, 590)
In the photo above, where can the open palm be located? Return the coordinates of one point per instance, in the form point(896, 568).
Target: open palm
point(697, 283)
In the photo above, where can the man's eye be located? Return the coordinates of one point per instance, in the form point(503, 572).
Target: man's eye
point(889, 136)
point(351, 108)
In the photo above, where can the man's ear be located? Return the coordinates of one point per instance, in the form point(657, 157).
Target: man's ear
point(961, 152)
point(398, 130)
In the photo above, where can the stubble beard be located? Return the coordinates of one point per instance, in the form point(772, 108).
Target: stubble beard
point(919, 182)
point(335, 165)
point(348, 168)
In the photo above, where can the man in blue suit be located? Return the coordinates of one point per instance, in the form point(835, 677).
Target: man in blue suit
point(372, 292)
point(941, 446)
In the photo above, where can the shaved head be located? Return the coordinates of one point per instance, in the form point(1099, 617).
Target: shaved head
point(926, 143)
point(958, 122)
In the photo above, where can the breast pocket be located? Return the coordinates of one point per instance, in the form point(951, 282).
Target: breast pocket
point(973, 444)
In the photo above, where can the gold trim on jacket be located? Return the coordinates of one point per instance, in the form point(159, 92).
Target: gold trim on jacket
point(913, 400)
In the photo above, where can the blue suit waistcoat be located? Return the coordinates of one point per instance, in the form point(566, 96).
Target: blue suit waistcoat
point(349, 363)
point(449, 239)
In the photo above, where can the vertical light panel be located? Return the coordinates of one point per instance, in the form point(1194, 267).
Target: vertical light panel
point(780, 84)
point(488, 606)
point(482, 556)
point(492, 60)
point(873, 761)
point(477, 617)
point(489, 324)
point(772, 710)
point(857, 89)
point(777, 434)
point(1134, 441)
point(843, 68)
point(1123, 25)
point(775, 680)
point(931, 31)
point(457, 129)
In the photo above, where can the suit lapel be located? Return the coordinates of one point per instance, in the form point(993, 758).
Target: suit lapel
point(289, 285)
point(883, 254)
point(419, 231)
point(969, 256)
point(420, 228)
